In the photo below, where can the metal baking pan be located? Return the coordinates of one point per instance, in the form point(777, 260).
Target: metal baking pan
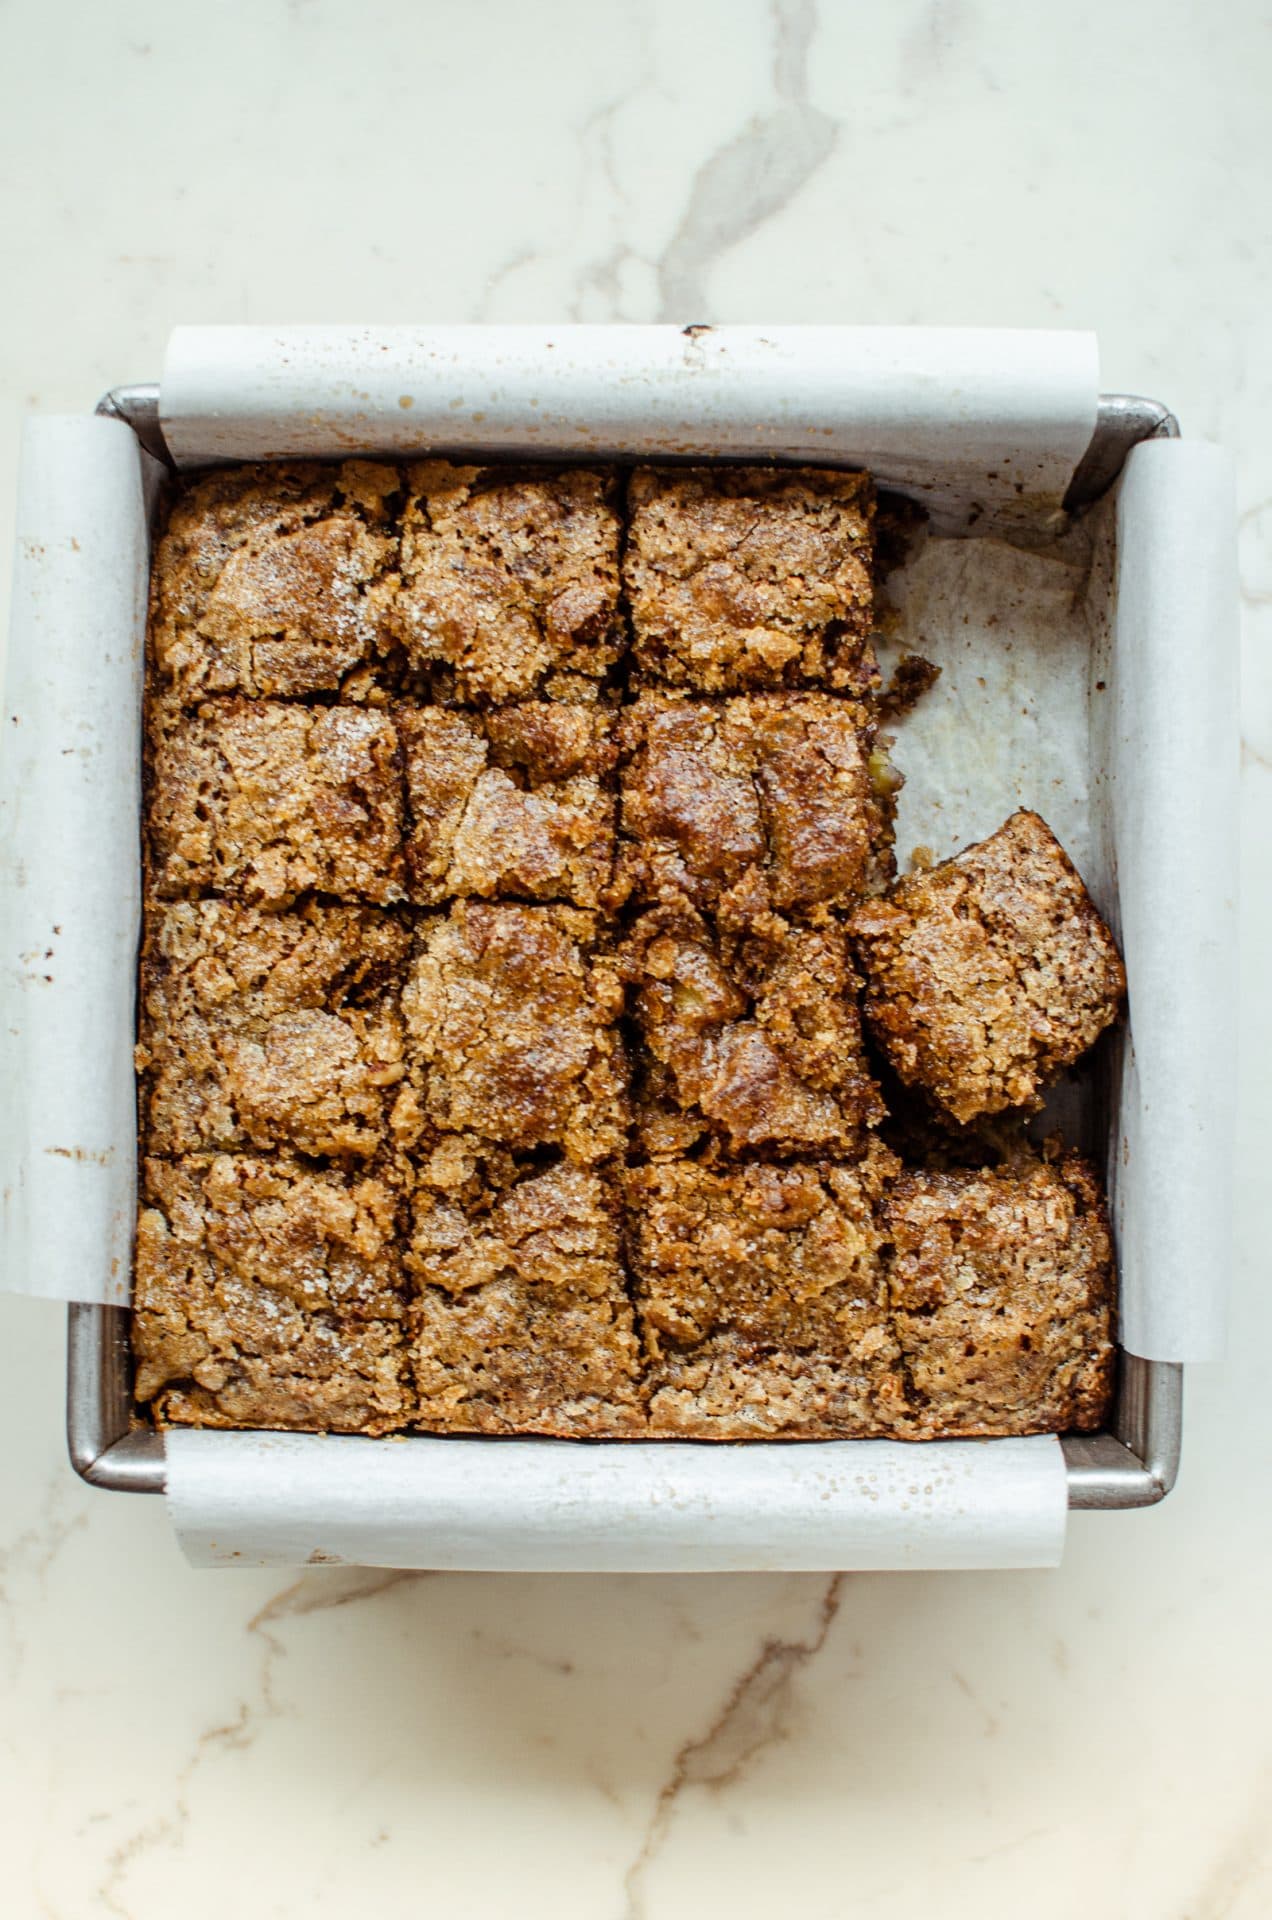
point(1134, 1464)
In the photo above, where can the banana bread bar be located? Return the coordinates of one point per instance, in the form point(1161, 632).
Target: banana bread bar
point(509, 581)
point(763, 1296)
point(267, 1294)
point(522, 1321)
point(1001, 1287)
point(990, 973)
point(512, 1030)
point(755, 1041)
point(270, 1029)
point(267, 801)
point(779, 800)
point(747, 577)
point(512, 804)
point(270, 580)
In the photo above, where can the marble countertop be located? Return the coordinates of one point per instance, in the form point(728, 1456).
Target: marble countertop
point(1096, 1740)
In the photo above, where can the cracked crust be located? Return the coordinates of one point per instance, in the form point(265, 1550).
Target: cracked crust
point(1001, 1284)
point(511, 1019)
point(988, 975)
point(763, 1299)
point(268, 1295)
point(269, 1030)
point(516, 803)
point(775, 801)
point(523, 1324)
point(756, 1041)
point(747, 577)
point(509, 581)
point(267, 580)
point(267, 801)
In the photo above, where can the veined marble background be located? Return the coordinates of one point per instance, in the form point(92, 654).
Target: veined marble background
point(1095, 1742)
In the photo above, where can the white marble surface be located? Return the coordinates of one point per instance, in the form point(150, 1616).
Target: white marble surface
point(1094, 1741)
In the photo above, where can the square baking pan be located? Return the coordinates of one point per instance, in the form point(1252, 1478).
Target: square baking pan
point(1132, 1464)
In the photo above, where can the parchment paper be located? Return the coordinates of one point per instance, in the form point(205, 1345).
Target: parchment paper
point(980, 421)
point(69, 884)
point(554, 1506)
point(1166, 742)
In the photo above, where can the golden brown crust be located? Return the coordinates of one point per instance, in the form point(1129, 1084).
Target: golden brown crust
point(270, 1030)
point(756, 1041)
point(522, 1323)
point(509, 581)
point(267, 801)
point(762, 1295)
point(512, 1033)
point(749, 577)
point(269, 1295)
point(767, 801)
point(990, 973)
point(514, 804)
point(267, 580)
point(1001, 1285)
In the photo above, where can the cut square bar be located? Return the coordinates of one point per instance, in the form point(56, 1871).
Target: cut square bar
point(270, 1030)
point(512, 804)
point(763, 1297)
point(269, 580)
point(523, 1323)
point(757, 1042)
point(509, 581)
point(512, 1032)
point(775, 801)
point(1001, 1283)
point(747, 577)
point(269, 1295)
point(268, 801)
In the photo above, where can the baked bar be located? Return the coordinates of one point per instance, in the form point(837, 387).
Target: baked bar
point(509, 581)
point(749, 577)
point(267, 801)
point(762, 1294)
point(990, 973)
point(512, 1034)
point(270, 1029)
point(754, 1041)
point(780, 800)
point(1001, 1287)
point(269, 580)
point(269, 1295)
point(522, 1323)
point(515, 804)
